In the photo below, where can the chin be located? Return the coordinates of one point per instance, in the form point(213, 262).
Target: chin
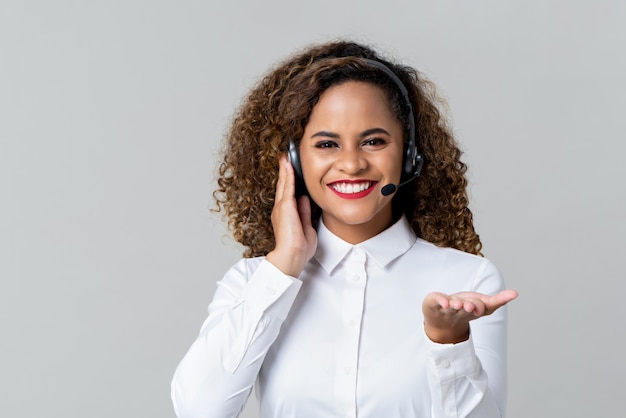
point(356, 218)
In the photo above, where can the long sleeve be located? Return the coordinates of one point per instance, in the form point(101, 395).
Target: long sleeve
point(215, 377)
point(345, 339)
point(469, 379)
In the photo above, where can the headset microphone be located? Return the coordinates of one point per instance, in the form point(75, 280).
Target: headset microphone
point(391, 188)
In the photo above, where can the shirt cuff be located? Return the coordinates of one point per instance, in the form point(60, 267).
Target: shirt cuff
point(451, 361)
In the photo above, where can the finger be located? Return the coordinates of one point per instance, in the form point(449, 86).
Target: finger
point(475, 306)
point(436, 298)
point(495, 302)
point(444, 301)
point(456, 303)
point(280, 185)
point(466, 302)
point(508, 295)
point(466, 305)
point(290, 180)
point(304, 209)
point(499, 298)
point(310, 234)
point(502, 298)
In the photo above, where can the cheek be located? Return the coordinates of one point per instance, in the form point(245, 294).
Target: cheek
point(392, 167)
point(312, 168)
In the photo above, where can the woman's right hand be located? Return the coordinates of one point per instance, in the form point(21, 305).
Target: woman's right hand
point(296, 239)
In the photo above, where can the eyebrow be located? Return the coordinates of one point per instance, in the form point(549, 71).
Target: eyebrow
point(328, 134)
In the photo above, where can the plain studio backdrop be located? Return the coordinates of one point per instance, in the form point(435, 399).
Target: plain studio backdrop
point(111, 118)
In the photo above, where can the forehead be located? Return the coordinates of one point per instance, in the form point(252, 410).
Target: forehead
point(353, 99)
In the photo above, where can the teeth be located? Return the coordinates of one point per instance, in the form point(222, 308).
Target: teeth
point(351, 188)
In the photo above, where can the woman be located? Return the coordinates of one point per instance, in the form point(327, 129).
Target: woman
point(363, 270)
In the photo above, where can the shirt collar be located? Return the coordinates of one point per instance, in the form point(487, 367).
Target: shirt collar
point(382, 248)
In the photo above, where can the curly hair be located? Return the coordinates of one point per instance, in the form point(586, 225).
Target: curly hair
point(277, 109)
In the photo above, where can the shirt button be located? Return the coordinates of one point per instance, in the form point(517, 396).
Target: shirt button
point(347, 370)
point(445, 364)
point(356, 278)
point(352, 323)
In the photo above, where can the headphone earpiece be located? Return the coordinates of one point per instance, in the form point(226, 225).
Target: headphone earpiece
point(410, 159)
point(418, 162)
point(293, 154)
point(294, 159)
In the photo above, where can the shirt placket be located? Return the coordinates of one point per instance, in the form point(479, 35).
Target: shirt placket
point(354, 275)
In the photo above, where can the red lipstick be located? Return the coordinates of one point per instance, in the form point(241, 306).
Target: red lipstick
point(357, 195)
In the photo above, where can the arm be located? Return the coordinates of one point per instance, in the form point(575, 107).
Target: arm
point(216, 375)
point(467, 371)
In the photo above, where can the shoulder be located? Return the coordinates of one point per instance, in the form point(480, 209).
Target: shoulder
point(479, 273)
point(245, 267)
point(239, 274)
point(428, 249)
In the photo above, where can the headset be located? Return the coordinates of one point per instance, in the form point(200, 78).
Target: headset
point(413, 161)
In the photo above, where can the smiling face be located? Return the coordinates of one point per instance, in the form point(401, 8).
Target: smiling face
point(352, 146)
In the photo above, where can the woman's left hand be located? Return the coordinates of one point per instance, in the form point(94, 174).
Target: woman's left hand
point(447, 317)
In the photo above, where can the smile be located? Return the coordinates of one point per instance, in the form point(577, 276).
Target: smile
point(352, 190)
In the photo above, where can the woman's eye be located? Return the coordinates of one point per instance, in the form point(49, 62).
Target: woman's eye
point(326, 144)
point(374, 142)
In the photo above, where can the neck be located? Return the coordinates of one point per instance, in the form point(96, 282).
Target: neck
point(358, 232)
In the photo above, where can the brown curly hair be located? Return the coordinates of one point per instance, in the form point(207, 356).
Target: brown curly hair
point(277, 110)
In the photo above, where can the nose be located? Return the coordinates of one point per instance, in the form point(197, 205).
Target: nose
point(351, 161)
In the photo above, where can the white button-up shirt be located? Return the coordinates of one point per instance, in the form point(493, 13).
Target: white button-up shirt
point(346, 338)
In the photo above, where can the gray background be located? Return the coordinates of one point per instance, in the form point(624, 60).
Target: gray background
point(111, 114)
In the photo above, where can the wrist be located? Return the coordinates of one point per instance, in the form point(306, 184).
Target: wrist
point(447, 335)
point(287, 265)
